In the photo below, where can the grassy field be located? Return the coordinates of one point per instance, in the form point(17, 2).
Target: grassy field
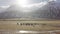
point(12, 25)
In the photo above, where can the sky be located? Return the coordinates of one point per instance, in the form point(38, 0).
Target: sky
point(7, 3)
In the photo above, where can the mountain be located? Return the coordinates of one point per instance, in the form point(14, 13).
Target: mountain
point(51, 11)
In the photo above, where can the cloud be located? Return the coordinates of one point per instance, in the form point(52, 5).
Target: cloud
point(5, 6)
point(52, 0)
point(41, 4)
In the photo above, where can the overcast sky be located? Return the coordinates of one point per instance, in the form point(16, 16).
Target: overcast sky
point(7, 2)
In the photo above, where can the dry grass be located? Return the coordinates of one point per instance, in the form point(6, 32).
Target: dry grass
point(12, 25)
